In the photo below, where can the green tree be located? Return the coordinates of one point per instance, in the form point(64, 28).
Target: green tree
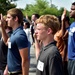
point(12, 0)
point(5, 5)
point(42, 7)
point(38, 7)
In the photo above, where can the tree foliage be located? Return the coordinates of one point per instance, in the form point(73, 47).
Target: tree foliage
point(38, 7)
point(42, 7)
point(12, 0)
point(5, 5)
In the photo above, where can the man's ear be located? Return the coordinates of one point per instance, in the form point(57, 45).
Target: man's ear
point(49, 31)
point(16, 19)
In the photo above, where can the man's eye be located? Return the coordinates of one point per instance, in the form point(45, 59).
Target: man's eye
point(39, 29)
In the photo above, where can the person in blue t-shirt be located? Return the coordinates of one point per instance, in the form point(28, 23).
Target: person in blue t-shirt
point(71, 43)
point(17, 58)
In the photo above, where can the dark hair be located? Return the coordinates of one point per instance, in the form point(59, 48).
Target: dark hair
point(73, 3)
point(36, 15)
point(28, 24)
point(16, 12)
point(67, 18)
point(59, 18)
point(25, 20)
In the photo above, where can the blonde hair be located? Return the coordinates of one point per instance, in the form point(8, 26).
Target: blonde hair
point(49, 21)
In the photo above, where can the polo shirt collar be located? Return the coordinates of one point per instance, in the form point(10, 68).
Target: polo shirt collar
point(49, 45)
point(20, 27)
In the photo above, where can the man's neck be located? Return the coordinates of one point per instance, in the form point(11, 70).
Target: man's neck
point(48, 40)
point(16, 26)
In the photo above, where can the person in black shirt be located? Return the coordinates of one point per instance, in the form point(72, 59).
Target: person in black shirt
point(49, 61)
point(4, 50)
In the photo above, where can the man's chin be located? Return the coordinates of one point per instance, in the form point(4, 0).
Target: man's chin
point(9, 25)
point(38, 39)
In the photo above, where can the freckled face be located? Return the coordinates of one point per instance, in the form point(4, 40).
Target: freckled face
point(41, 31)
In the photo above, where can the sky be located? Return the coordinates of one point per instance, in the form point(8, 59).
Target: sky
point(58, 3)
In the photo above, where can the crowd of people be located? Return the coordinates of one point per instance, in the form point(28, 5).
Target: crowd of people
point(53, 38)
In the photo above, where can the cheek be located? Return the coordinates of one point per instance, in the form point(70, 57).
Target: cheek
point(9, 21)
point(41, 34)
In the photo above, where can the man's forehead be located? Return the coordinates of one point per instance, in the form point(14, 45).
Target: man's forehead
point(40, 25)
point(8, 15)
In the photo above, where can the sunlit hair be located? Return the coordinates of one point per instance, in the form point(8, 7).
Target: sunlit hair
point(5, 23)
point(49, 21)
point(36, 15)
point(14, 12)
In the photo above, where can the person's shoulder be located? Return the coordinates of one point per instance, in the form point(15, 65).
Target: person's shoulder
point(19, 35)
point(72, 24)
point(20, 32)
point(53, 50)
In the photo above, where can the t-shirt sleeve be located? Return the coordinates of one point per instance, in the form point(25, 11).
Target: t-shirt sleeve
point(22, 41)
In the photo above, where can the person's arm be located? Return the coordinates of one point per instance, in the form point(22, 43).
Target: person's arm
point(4, 34)
point(64, 34)
point(37, 46)
point(25, 61)
point(6, 71)
point(63, 27)
point(28, 19)
point(22, 45)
